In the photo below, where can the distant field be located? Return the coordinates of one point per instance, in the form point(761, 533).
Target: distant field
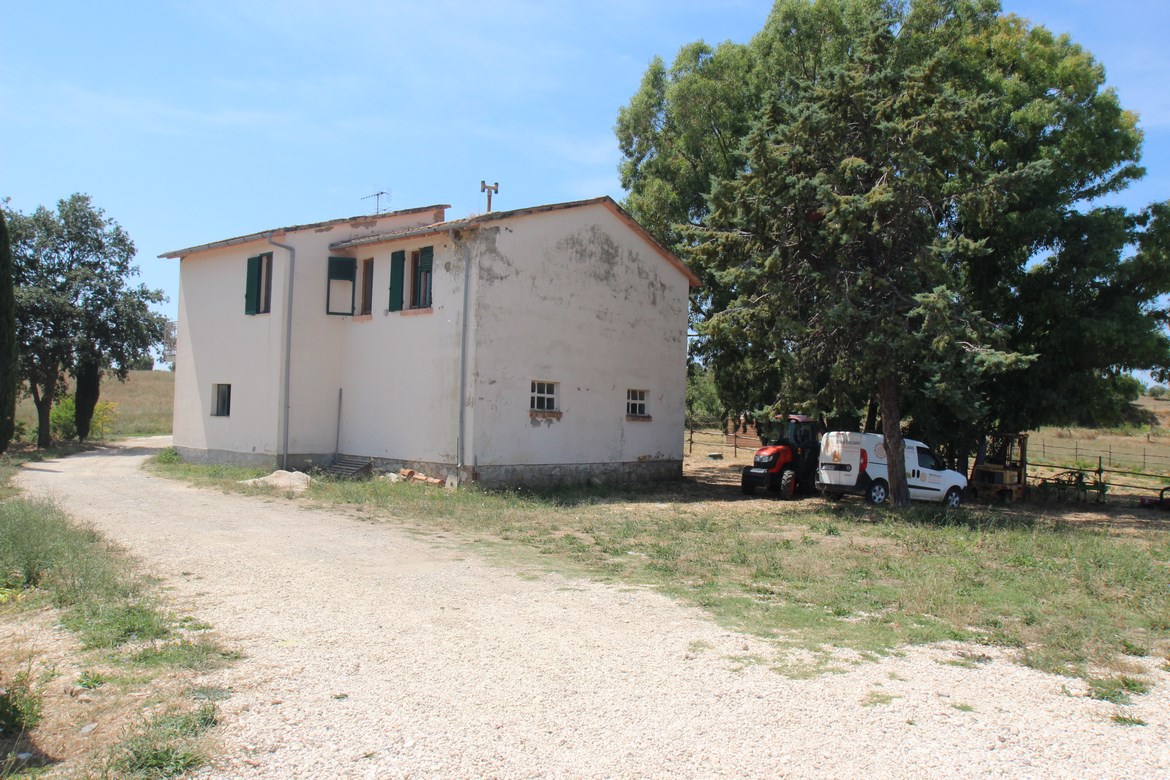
point(143, 405)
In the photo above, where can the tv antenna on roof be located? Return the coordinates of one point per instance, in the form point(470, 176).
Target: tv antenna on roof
point(378, 200)
point(489, 189)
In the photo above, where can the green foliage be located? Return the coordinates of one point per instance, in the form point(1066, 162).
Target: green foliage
point(168, 456)
point(74, 301)
point(62, 419)
point(91, 680)
point(703, 407)
point(20, 704)
point(907, 190)
point(9, 379)
point(1157, 391)
point(167, 746)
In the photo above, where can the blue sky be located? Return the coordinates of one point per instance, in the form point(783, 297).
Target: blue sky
point(199, 120)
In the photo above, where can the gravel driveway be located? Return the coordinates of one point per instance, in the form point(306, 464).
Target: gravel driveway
point(370, 652)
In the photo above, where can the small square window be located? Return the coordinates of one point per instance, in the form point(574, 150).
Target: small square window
point(221, 400)
point(636, 403)
point(544, 397)
point(342, 278)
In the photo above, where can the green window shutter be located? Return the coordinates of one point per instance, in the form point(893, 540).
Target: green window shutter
point(397, 271)
point(252, 287)
point(342, 268)
point(426, 258)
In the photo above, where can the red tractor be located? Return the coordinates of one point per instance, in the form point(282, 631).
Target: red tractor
point(788, 459)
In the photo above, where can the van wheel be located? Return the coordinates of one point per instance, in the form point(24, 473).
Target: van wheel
point(878, 492)
point(787, 484)
point(954, 498)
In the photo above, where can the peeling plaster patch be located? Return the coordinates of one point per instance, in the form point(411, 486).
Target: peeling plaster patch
point(324, 229)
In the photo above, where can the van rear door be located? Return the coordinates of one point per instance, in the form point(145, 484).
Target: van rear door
point(840, 459)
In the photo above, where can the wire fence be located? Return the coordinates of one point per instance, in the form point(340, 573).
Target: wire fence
point(1134, 456)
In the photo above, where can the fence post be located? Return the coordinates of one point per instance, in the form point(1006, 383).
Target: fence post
point(1144, 458)
point(691, 451)
point(735, 444)
point(1077, 451)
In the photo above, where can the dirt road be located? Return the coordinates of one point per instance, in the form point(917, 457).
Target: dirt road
point(369, 652)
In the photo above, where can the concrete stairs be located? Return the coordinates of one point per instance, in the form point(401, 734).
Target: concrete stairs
point(350, 467)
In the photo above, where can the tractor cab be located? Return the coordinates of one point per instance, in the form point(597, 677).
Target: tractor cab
point(788, 459)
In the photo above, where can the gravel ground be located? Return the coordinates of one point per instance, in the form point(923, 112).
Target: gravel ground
point(370, 652)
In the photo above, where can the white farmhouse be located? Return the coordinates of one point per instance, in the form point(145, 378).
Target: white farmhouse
point(538, 346)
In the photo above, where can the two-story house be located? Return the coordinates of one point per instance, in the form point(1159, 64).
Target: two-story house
point(537, 346)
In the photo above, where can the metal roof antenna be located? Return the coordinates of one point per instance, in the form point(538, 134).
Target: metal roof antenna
point(378, 202)
point(489, 189)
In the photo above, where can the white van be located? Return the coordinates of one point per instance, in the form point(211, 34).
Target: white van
point(856, 463)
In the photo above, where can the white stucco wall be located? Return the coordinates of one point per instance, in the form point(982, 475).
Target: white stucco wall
point(576, 297)
point(218, 343)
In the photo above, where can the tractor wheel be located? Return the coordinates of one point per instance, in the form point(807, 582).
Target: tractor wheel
point(787, 484)
point(954, 498)
point(745, 488)
point(878, 492)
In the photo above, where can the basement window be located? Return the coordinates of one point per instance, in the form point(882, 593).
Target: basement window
point(636, 405)
point(342, 278)
point(543, 400)
point(258, 285)
point(221, 396)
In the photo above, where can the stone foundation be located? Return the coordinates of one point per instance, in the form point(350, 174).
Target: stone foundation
point(522, 475)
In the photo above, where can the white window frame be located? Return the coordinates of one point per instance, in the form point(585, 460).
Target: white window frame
point(637, 407)
point(543, 398)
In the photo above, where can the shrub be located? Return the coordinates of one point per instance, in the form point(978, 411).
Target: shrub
point(20, 705)
point(62, 422)
point(168, 456)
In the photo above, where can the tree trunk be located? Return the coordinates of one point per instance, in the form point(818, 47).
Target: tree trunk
point(895, 446)
point(86, 394)
point(44, 402)
point(871, 417)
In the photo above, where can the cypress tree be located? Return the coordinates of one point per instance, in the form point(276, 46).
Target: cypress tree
point(85, 397)
point(8, 351)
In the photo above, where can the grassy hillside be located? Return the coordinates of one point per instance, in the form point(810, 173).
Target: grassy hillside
point(143, 405)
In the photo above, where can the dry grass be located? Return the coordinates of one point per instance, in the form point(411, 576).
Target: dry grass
point(144, 405)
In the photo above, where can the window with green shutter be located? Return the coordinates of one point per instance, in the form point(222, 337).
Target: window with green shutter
point(397, 271)
point(258, 285)
point(341, 279)
point(421, 263)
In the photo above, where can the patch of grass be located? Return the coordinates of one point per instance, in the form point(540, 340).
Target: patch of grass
point(91, 680)
point(963, 707)
point(200, 654)
point(167, 746)
point(807, 574)
point(1117, 689)
point(1121, 719)
point(21, 705)
point(1134, 648)
point(876, 698)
